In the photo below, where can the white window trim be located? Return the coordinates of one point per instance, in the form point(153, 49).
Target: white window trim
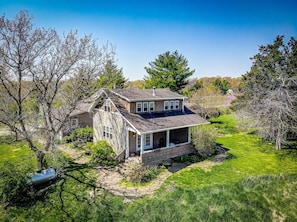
point(168, 103)
point(143, 107)
point(107, 105)
point(150, 145)
point(172, 104)
point(176, 105)
point(138, 142)
point(138, 103)
point(153, 106)
point(107, 132)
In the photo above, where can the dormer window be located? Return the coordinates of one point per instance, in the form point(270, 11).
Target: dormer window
point(176, 104)
point(171, 105)
point(152, 106)
point(166, 105)
point(139, 107)
point(144, 107)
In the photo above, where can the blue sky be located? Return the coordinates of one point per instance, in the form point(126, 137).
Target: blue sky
point(217, 37)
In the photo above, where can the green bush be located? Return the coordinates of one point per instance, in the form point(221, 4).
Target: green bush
point(204, 140)
point(82, 135)
point(102, 153)
point(13, 183)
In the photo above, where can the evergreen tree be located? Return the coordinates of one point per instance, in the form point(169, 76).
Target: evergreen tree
point(112, 77)
point(269, 90)
point(169, 70)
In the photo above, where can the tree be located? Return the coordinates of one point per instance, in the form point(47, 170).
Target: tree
point(41, 69)
point(204, 140)
point(112, 77)
point(169, 70)
point(270, 90)
point(222, 85)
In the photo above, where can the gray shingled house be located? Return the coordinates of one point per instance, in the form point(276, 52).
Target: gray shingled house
point(153, 124)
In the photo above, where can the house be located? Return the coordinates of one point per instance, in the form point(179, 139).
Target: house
point(151, 123)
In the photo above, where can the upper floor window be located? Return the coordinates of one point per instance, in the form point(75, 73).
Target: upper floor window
point(139, 107)
point(166, 105)
point(152, 106)
point(107, 105)
point(176, 104)
point(171, 105)
point(145, 107)
point(107, 132)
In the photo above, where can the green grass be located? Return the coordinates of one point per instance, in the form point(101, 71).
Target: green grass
point(15, 152)
point(256, 183)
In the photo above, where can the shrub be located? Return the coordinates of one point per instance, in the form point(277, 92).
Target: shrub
point(13, 184)
point(142, 174)
point(82, 135)
point(102, 153)
point(204, 140)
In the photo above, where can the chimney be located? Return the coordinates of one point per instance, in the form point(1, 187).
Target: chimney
point(154, 91)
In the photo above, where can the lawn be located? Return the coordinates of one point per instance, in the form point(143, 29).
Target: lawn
point(255, 183)
point(15, 153)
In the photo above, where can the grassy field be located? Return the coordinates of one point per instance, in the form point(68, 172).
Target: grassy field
point(255, 183)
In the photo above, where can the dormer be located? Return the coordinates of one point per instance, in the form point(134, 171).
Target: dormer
point(150, 100)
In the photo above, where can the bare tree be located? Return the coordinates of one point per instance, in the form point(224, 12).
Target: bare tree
point(270, 90)
point(43, 76)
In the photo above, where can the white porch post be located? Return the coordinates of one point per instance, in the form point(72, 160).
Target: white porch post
point(189, 134)
point(127, 144)
point(167, 138)
point(142, 143)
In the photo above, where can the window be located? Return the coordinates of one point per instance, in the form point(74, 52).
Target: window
point(107, 132)
point(171, 104)
point(148, 141)
point(166, 105)
point(139, 107)
point(138, 142)
point(107, 105)
point(145, 106)
point(74, 123)
point(176, 104)
point(152, 106)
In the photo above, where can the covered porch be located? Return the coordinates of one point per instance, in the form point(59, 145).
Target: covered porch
point(160, 145)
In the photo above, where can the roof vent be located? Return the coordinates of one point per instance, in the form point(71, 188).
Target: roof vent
point(154, 91)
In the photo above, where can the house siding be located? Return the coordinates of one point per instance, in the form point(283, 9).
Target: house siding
point(157, 156)
point(84, 120)
point(118, 125)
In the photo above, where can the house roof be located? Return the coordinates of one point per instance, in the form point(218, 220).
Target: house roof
point(155, 122)
point(134, 95)
point(86, 105)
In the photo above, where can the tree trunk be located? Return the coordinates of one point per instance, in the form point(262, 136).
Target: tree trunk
point(40, 158)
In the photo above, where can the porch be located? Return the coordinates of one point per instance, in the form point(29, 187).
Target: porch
point(158, 146)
